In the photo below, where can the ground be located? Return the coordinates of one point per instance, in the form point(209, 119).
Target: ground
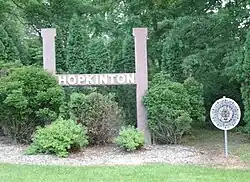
point(201, 147)
point(211, 141)
point(199, 157)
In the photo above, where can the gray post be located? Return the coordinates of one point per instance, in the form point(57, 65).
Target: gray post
point(49, 55)
point(140, 38)
point(226, 146)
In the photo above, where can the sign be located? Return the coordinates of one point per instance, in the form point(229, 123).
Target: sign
point(96, 79)
point(139, 78)
point(225, 114)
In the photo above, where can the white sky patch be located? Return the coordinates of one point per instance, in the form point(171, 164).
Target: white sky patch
point(224, 2)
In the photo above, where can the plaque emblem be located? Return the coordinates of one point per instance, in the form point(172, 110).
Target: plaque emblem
point(225, 113)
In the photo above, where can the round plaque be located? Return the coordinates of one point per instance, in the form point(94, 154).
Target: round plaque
point(225, 114)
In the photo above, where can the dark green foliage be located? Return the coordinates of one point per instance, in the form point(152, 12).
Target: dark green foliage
point(75, 50)
point(99, 113)
point(60, 137)
point(126, 97)
point(7, 68)
point(196, 46)
point(168, 109)
point(29, 97)
point(9, 52)
point(15, 30)
point(34, 52)
point(3, 54)
point(195, 94)
point(61, 64)
point(130, 138)
point(186, 38)
point(245, 88)
point(124, 62)
point(98, 57)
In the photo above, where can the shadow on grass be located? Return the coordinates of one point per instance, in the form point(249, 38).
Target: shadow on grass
point(213, 139)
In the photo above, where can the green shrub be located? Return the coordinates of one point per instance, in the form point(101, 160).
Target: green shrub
point(99, 113)
point(29, 97)
point(6, 68)
point(168, 109)
point(130, 138)
point(60, 137)
point(195, 93)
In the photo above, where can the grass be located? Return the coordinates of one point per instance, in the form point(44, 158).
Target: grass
point(156, 172)
point(213, 139)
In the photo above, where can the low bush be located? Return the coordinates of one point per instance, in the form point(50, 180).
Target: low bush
point(130, 138)
point(6, 68)
point(168, 109)
point(99, 113)
point(29, 97)
point(60, 137)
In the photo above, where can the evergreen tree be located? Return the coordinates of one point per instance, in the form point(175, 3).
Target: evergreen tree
point(245, 88)
point(3, 55)
point(125, 63)
point(16, 32)
point(60, 51)
point(75, 59)
point(35, 54)
point(10, 50)
point(98, 57)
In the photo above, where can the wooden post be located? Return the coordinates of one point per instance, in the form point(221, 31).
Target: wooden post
point(141, 67)
point(49, 55)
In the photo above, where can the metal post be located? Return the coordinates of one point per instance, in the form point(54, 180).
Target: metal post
point(226, 147)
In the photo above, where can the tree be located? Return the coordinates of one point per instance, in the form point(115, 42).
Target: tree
point(3, 55)
point(75, 50)
point(124, 62)
point(97, 56)
point(10, 52)
point(61, 64)
point(34, 51)
point(202, 39)
point(245, 88)
point(196, 47)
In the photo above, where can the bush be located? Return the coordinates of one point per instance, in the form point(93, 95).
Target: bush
point(99, 113)
point(6, 68)
point(195, 92)
point(60, 137)
point(168, 109)
point(130, 139)
point(29, 97)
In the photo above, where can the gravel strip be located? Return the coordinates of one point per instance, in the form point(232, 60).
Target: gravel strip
point(109, 155)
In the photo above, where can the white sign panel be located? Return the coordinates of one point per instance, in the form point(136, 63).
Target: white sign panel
point(225, 113)
point(97, 79)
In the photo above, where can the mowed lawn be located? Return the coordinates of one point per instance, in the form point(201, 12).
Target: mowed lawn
point(162, 173)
